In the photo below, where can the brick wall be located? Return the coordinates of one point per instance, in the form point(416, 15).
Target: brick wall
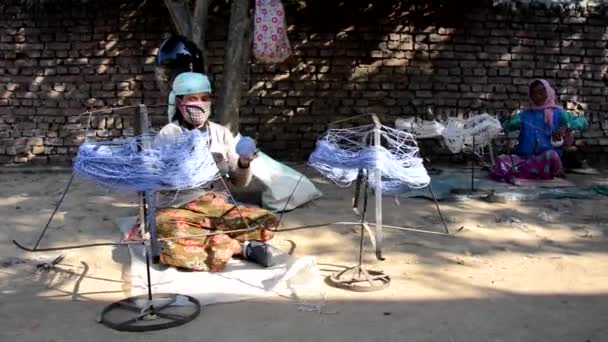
point(56, 63)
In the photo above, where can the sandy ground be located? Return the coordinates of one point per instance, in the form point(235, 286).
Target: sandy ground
point(510, 272)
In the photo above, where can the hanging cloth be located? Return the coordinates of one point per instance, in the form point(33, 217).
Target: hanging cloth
point(270, 42)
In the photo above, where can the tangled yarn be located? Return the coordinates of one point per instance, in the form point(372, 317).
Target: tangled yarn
point(123, 166)
point(458, 135)
point(340, 153)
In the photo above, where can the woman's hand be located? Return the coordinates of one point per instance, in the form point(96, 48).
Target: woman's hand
point(244, 162)
point(247, 151)
point(504, 116)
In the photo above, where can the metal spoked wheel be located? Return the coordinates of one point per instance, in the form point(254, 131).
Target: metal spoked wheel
point(165, 310)
point(359, 279)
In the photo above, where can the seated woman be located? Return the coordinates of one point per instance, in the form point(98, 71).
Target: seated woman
point(544, 129)
point(193, 213)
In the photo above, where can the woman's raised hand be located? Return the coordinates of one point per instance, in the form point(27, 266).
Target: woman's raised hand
point(246, 150)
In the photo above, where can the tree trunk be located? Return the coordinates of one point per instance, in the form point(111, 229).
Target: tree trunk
point(199, 28)
point(234, 64)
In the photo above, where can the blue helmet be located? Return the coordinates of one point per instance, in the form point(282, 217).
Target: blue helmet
point(180, 54)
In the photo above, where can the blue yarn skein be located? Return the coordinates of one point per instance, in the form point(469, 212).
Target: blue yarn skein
point(121, 165)
point(340, 153)
point(246, 147)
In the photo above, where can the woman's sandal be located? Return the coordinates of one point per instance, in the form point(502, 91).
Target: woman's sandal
point(259, 252)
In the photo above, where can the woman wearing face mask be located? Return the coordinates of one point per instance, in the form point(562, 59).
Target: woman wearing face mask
point(190, 108)
point(200, 211)
point(544, 130)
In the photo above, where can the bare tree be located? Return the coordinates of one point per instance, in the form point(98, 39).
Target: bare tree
point(190, 20)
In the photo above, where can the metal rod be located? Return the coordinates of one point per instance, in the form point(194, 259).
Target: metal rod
point(148, 275)
point(413, 230)
point(491, 150)
point(473, 167)
point(140, 128)
point(357, 191)
point(142, 212)
point(288, 200)
point(236, 207)
point(50, 249)
point(445, 225)
point(148, 202)
point(144, 126)
point(350, 118)
point(128, 243)
point(48, 223)
point(151, 222)
point(363, 212)
point(378, 188)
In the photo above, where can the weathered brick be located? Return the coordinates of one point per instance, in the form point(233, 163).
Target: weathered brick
point(57, 46)
point(484, 64)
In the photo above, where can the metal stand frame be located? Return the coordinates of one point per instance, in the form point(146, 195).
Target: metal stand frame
point(358, 278)
point(150, 312)
point(145, 312)
point(472, 190)
point(160, 311)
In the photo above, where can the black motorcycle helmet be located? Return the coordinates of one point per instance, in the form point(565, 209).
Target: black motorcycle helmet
point(178, 54)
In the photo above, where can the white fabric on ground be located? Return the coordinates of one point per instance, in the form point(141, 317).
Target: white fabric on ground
point(241, 280)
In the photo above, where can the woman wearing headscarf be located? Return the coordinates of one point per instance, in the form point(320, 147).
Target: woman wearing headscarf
point(544, 130)
point(190, 214)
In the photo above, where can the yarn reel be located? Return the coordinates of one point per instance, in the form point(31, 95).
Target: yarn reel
point(139, 313)
point(387, 153)
point(158, 311)
point(471, 136)
point(376, 155)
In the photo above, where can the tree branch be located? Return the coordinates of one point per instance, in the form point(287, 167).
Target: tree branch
point(181, 16)
point(199, 26)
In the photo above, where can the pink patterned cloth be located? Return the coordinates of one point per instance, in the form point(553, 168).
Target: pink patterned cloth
point(270, 42)
point(540, 167)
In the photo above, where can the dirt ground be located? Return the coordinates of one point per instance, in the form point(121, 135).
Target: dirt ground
point(534, 271)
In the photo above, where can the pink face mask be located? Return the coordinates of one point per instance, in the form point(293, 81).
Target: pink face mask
point(195, 113)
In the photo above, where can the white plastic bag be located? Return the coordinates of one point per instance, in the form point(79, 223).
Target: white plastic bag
point(280, 183)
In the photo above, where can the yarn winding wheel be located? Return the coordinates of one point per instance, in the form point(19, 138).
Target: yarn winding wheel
point(137, 314)
point(359, 279)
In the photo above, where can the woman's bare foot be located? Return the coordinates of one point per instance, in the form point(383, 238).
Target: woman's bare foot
point(266, 235)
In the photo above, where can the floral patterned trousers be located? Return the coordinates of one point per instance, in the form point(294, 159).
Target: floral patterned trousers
point(541, 166)
point(181, 232)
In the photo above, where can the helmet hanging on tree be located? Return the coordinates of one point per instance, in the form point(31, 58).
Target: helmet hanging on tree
point(179, 54)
